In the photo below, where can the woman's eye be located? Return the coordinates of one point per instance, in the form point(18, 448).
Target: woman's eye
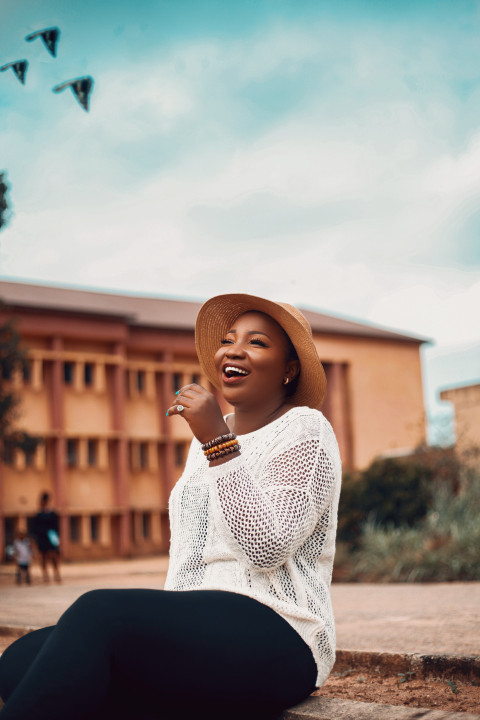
point(225, 341)
point(257, 341)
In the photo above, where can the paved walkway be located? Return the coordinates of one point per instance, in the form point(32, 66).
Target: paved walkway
point(400, 618)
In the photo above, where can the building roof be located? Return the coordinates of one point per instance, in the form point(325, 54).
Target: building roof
point(155, 311)
point(452, 390)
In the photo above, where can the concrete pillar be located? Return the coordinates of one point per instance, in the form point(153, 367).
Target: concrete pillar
point(105, 534)
point(82, 454)
point(36, 377)
point(85, 531)
point(60, 498)
point(79, 376)
point(103, 454)
point(137, 527)
point(167, 457)
point(152, 456)
point(165, 532)
point(121, 490)
point(338, 409)
point(99, 380)
point(156, 528)
point(150, 385)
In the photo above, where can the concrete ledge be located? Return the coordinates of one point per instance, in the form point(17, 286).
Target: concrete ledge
point(317, 708)
point(15, 631)
point(466, 667)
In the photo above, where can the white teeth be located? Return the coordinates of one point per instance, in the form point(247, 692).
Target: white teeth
point(236, 370)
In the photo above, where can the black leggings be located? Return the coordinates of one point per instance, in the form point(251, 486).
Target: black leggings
point(138, 654)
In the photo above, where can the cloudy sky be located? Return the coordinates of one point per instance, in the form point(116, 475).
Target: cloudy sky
point(325, 153)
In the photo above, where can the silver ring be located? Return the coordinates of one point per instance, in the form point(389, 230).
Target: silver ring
point(180, 408)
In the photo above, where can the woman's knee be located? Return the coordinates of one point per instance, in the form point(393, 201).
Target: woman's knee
point(95, 606)
point(17, 658)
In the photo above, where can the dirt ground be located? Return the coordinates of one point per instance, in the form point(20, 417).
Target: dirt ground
point(370, 686)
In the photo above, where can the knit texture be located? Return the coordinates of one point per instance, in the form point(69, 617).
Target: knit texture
point(263, 524)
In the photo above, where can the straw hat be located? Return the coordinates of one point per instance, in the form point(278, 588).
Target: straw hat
point(216, 317)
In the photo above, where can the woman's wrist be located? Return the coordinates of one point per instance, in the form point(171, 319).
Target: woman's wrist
point(224, 459)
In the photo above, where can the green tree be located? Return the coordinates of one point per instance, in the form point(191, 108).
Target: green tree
point(12, 359)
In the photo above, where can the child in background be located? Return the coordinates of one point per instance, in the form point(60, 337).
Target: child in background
point(23, 556)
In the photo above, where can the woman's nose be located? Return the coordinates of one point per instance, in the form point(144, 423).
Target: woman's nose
point(235, 350)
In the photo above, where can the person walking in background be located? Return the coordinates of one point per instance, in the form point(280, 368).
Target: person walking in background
point(22, 552)
point(45, 531)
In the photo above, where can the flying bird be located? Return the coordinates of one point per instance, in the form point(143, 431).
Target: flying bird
point(81, 88)
point(19, 67)
point(50, 38)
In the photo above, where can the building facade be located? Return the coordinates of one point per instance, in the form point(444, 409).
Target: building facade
point(466, 403)
point(102, 371)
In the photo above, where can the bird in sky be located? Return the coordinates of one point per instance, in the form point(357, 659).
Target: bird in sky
point(19, 67)
point(81, 87)
point(50, 38)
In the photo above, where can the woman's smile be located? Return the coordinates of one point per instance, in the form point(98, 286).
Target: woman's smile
point(234, 373)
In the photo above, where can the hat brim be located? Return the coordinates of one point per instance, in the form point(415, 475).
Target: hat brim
point(215, 318)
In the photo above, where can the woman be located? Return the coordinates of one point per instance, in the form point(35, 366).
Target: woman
point(245, 626)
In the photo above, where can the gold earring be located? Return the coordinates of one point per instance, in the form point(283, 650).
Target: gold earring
point(286, 381)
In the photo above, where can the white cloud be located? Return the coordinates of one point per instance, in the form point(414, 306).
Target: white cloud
point(446, 312)
point(173, 185)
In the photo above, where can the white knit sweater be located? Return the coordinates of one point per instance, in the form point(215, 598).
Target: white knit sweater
point(263, 524)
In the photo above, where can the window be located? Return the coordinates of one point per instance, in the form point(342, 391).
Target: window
point(72, 452)
point(146, 525)
point(88, 373)
point(143, 455)
point(29, 458)
point(92, 452)
point(9, 530)
point(75, 528)
point(8, 454)
point(27, 372)
point(140, 381)
point(95, 527)
point(68, 373)
point(177, 381)
point(196, 379)
point(179, 454)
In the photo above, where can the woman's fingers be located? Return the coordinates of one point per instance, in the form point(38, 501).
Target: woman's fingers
point(184, 398)
point(177, 408)
point(192, 391)
point(201, 411)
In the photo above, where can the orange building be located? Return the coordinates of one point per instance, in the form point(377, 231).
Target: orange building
point(466, 403)
point(103, 368)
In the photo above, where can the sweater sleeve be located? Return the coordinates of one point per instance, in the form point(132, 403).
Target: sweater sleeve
point(266, 519)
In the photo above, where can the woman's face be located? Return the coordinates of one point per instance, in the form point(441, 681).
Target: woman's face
point(252, 363)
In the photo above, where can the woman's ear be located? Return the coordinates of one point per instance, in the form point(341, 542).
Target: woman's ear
point(292, 369)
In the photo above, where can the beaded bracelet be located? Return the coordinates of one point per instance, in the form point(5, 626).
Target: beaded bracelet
point(221, 446)
point(222, 453)
point(217, 440)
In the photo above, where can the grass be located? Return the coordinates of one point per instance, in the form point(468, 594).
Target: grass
point(444, 546)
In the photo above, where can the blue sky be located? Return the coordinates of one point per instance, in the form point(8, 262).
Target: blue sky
point(323, 153)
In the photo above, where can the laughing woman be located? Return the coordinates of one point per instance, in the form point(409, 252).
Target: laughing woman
point(244, 627)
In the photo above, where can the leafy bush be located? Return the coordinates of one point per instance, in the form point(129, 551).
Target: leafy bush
point(390, 491)
point(444, 546)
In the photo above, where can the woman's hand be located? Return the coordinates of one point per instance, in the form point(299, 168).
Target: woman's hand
point(202, 412)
